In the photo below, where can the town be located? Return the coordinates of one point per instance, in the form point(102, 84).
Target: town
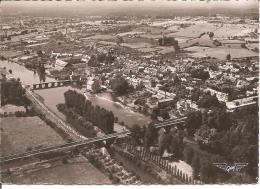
point(129, 100)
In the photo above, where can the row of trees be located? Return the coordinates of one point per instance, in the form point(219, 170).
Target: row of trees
point(218, 119)
point(149, 136)
point(82, 126)
point(101, 117)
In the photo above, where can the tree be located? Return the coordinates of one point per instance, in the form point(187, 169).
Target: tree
point(208, 101)
point(12, 92)
point(193, 122)
point(195, 95)
point(150, 135)
point(77, 104)
point(155, 113)
point(93, 61)
point(195, 164)
point(136, 133)
point(153, 83)
point(228, 57)
point(109, 58)
point(164, 142)
point(200, 74)
point(188, 154)
point(119, 40)
point(96, 86)
point(121, 87)
point(211, 35)
point(169, 41)
point(206, 171)
point(243, 45)
point(101, 57)
point(176, 145)
point(164, 113)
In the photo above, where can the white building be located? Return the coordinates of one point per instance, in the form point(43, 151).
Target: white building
point(223, 97)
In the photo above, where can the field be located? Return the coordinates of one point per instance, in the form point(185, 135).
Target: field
point(225, 31)
point(21, 134)
point(137, 45)
point(9, 108)
point(220, 52)
point(165, 50)
point(77, 171)
point(144, 38)
point(101, 37)
point(52, 100)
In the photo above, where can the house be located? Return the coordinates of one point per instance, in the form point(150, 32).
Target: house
point(165, 102)
point(242, 83)
point(61, 64)
point(135, 82)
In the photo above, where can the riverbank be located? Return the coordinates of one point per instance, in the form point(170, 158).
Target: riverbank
point(127, 116)
point(54, 96)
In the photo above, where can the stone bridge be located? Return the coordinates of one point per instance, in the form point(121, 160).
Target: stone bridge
point(52, 84)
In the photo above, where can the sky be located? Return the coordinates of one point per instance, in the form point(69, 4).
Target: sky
point(108, 7)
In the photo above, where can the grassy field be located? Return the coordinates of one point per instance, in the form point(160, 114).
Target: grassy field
point(165, 50)
point(220, 52)
point(137, 45)
point(76, 171)
point(225, 31)
point(21, 134)
point(101, 37)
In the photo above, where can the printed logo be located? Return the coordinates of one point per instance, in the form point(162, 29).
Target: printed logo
point(231, 168)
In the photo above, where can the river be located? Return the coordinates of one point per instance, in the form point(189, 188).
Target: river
point(54, 96)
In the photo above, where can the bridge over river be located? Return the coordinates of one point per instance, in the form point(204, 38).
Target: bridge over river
point(28, 78)
point(52, 84)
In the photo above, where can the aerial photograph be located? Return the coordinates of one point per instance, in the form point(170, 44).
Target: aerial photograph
point(129, 92)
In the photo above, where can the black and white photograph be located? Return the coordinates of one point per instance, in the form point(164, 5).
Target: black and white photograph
point(141, 92)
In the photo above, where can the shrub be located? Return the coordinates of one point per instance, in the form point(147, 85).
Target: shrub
point(64, 161)
point(20, 114)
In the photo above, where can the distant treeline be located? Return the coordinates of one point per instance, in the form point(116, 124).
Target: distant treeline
point(100, 117)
